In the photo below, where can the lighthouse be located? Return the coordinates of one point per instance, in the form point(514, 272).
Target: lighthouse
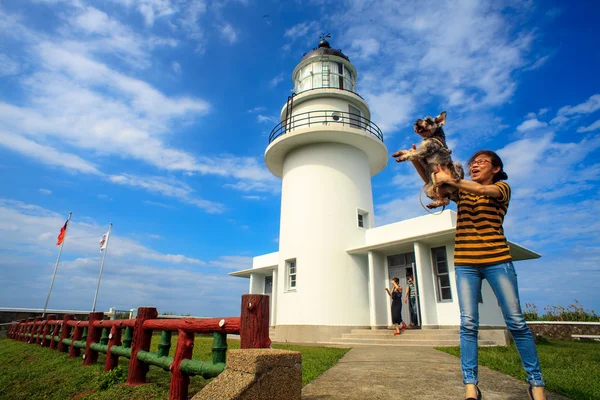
point(326, 282)
point(326, 149)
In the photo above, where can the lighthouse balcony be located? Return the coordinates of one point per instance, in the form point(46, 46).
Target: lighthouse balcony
point(317, 127)
point(321, 118)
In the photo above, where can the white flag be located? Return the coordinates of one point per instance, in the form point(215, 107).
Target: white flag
point(104, 241)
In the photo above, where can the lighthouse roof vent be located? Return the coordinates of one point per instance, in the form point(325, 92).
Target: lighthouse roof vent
point(324, 49)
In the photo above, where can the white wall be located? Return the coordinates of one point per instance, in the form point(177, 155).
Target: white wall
point(425, 284)
point(379, 306)
point(323, 185)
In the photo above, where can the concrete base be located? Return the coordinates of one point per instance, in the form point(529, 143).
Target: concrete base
point(325, 334)
point(311, 333)
point(257, 374)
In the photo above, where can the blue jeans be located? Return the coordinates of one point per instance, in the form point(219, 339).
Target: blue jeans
point(503, 280)
point(412, 305)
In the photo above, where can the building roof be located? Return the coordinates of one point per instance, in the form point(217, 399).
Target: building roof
point(324, 49)
point(398, 237)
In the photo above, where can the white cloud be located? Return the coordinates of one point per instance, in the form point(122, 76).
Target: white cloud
point(300, 30)
point(8, 66)
point(168, 187)
point(176, 67)
point(589, 106)
point(276, 80)
point(256, 110)
point(232, 262)
point(531, 124)
point(468, 62)
point(267, 119)
point(592, 127)
point(538, 63)
point(134, 275)
point(365, 47)
point(228, 33)
point(46, 154)
point(561, 119)
point(390, 110)
point(46, 191)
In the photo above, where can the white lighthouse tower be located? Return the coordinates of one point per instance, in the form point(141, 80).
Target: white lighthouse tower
point(325, 150)
point(327, 280)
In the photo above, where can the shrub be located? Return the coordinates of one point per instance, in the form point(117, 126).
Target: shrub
point(112, 377)
point(574, 312)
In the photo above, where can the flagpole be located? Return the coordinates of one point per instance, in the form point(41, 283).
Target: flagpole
point(56, 266)
point(102, 266)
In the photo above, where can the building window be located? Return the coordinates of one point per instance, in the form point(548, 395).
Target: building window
point(363, 219)
point(291, 274)
point(440, 267)
point(355, 118)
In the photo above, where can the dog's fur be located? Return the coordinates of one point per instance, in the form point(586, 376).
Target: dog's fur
point(434, 154)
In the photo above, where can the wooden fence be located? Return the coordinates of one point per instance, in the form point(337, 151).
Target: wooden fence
point(131, 338)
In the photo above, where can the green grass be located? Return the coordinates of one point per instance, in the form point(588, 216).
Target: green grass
point(570, 368)
point(30, 372)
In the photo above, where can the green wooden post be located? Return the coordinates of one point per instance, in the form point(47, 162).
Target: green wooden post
point(219, 347)
point(104, 337)
point(165, 344)
point(128, 337)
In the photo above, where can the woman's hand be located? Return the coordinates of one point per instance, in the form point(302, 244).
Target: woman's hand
point(442, 175)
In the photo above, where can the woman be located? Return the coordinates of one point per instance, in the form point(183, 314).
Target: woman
point(411, 294)
point(481, 252)
point(396, 295)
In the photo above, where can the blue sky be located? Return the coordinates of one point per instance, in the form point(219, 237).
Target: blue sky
point(155, 114)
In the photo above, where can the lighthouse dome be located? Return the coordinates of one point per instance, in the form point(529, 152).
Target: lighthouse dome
point(324, 68)
point(324, 49)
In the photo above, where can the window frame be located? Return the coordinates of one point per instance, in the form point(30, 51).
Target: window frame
point(291, 279)
point(364, 215)
point(438, 284)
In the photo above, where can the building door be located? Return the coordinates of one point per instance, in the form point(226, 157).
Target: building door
point(401, 266)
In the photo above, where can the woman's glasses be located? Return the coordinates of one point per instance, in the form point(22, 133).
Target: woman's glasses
point(480, 162)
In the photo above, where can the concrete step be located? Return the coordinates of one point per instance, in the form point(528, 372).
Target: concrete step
point(405, 334)
point(407, 331)
point(397, 341)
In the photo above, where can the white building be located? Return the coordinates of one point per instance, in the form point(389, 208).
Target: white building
point(333, 264)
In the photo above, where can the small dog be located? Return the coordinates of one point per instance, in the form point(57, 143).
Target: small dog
point(433, 154)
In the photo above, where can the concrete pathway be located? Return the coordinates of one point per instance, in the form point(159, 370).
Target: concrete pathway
point(390, 373)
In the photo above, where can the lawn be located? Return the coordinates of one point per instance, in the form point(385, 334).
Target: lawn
point(570, 368)
point(30, 372)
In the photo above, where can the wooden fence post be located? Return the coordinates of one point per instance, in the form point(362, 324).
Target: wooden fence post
point(114, 339)
point(90, 356)
point(21, 330)
point(76, 335)
point(44, 342)
point(65, 333)
point(54, 334)
point(136, 374)
point(40, 329)
point(180, 382)
point(34, 330)
point(254, 322)
point(28, 329)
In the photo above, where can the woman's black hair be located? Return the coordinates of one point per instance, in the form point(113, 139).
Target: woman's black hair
point(496, 162)
point(396, 280)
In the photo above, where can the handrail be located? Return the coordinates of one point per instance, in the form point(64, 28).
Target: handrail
point(325, 117)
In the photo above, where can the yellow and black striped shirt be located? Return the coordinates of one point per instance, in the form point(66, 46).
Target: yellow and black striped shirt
point(480, 239)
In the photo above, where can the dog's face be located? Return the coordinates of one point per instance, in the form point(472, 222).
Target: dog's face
point(428, 126)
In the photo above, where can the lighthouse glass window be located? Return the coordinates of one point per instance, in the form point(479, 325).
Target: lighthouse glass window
point(324, 74)
point(291, 274)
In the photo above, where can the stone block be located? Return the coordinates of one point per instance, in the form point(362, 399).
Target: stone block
point(257, 361)
point(257, 374)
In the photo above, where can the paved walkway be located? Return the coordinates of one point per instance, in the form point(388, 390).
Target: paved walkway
point(382, 372)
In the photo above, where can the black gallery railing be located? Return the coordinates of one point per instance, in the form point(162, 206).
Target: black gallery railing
point(325, 117)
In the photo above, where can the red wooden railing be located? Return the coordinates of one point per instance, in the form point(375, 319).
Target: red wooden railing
point(131, 338)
